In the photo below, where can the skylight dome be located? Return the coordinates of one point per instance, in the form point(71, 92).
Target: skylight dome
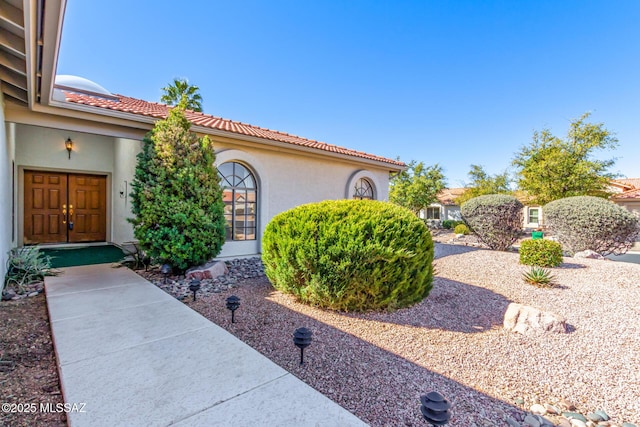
point(81, 84)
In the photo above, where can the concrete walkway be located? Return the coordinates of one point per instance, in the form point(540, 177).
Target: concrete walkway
point(132, 355)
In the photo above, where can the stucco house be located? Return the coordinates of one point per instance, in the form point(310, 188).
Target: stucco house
point(68, 151)
point(627, 194)
point(445, 208)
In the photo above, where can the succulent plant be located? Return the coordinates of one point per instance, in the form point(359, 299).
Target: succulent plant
point(540, 277)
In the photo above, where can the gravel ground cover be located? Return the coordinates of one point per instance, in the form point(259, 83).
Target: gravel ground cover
point(29, 383)
point(378, 364)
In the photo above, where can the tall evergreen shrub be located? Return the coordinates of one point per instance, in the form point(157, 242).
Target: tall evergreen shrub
point(349, 255)
point(176, 197)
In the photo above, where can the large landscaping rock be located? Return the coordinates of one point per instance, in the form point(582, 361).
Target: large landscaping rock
point(210, 270)
point(588, 254)
point(525, 320)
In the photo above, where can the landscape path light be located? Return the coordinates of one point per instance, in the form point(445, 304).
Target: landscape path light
point(233, 302)
point(302, 340)
point(194, 287)
point(435, 408)
point(165, 270)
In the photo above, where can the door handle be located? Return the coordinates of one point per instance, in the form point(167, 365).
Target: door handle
point(64, 214)
point(70, 212)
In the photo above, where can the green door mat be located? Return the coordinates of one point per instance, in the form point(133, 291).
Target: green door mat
point(84, 255)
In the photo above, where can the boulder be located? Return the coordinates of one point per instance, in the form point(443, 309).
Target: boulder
point(525, 319)
point(210, 270)
point(588, 254)
point(8, 294)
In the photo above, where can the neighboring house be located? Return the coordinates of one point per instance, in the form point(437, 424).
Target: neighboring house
point(627, 194)
point(68, 152)
point(445, 208)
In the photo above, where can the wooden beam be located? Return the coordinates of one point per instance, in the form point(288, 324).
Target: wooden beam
point(14, 92)
point(13, 78)
point(12, 43)
point(11, 16)
point(14, 64)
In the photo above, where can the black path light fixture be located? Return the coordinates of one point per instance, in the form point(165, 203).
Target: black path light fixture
point(302, 340)
point(435, 408)
point(194, 286)
point(68, 144)
point(233, 302)
point(165, 270)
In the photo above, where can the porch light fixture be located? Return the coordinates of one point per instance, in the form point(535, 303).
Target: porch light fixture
point(194, 287)
point(302, 340)
point(233, 302)
point(68, 144)
point(435, 409)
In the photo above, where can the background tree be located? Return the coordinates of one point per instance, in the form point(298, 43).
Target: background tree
point(416, 187)
point(482, 184)
point(176, 197)
point(551, 168)
point(180, 90)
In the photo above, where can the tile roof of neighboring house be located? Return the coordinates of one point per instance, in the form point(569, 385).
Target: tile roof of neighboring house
point(160, 111)
point(631, 194)
point(630, 183)
point(447, 196)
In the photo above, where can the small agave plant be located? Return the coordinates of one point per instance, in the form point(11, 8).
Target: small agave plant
point(540, 277)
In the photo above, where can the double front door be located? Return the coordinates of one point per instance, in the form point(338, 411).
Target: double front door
point(64, 207)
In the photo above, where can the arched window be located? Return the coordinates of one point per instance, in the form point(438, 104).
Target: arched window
point(239, 193)
point(363, 189)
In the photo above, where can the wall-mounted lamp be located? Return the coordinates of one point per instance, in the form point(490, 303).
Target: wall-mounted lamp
point(68, 144)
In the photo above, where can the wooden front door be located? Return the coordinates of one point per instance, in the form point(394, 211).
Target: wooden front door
point(62, 207)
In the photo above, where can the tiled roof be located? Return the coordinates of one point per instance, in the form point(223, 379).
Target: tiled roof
point(631, 194)
point(447, 196)
point(630, 183)
point(152, 109)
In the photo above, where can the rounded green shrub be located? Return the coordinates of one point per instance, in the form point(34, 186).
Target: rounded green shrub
point(461, 229)
point(349, 255)
point(450, 223)
point(495, 218)
point(587, 222)
point(540, 253)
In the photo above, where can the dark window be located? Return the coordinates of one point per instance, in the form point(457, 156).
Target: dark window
point(239, 193)
point(363, 189)
point(433, 213)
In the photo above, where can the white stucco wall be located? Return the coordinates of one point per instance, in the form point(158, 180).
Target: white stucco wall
point(6, 157)
point(286, 180)
point(124, 166)
point(43, 148)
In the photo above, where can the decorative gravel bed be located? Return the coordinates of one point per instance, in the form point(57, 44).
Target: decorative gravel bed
point(378, 364)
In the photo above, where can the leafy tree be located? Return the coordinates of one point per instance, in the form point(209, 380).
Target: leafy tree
point(551, 168)
point(416, 187)
point(176, 197)
point(482, 184)
point(180, 90)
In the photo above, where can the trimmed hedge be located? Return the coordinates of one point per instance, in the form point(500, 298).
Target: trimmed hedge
point(540, 253)
point(587, 222)
point(495, 218)
point(349, 255)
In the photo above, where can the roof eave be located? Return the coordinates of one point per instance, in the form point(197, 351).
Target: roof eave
point(149, 121)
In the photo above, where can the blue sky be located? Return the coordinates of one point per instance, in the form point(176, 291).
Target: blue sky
point(448, 82)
